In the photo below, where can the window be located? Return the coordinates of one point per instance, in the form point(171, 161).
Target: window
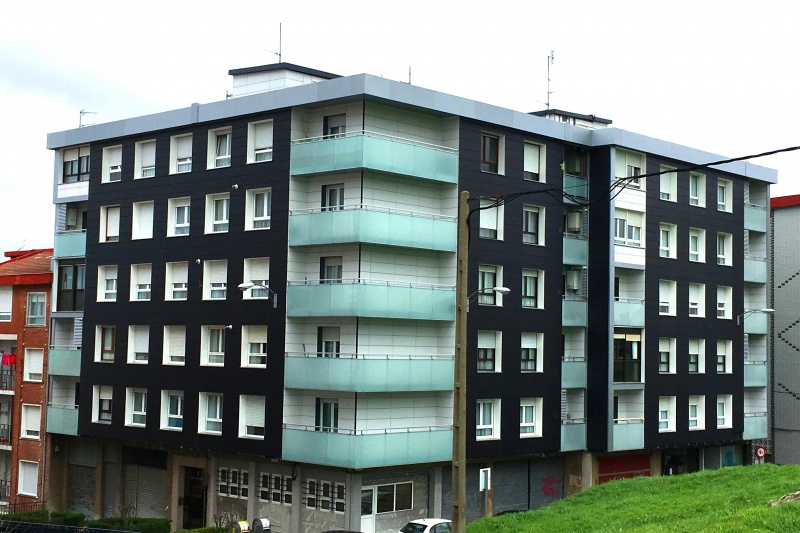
point(724, 195)
point(532, 345)
point(489, 277)
point(141, 287)
point(328, 341)
point(530, 417)
point(76, 165)
point(326, 417)
point(144, 164)
point(666, 414)
point(697, 189)
point(254, 346)
point(532, 289)
point(31, 421)
point(178, 216)
point(394, 497)
point(259, 209)
point(697, 245)
point(251, 416)
point(138, 344)
point(532, 224)
point(533, 164)
point(33, 362)
point(487, 419)
point(724, 351)
point(176, 279)
point(142, 227)
point(256, 271)
point(259, 141)
point(210, 415)
point(697, 356)
point(489, 351)
point(573, 222)
point(212, 346)
point(75, 216)
point(724, 410)
point(219, 148)
point(28, 478)
point(102, 397)
point(217, 212)
point(334, 125)
point(627, 357)
point(490, 153)
point(697, 412)
point(71, 285)
point(724, 249)
point(330, 269)
point(697, 299)
point(666, 297)
point(172, 410)
point(37, 309)
point(275, 488)
point(724, 301)
point(109, 223)
point(491, 220)
point(215, 280)
point(669, 184)
point(233, 483)
point(135, 407)
point(104, 344)
point(628, 228)
point(630, 165)
point(6, 305)
point(666, 355)
point(112, 164)
point(332, 197)
point(666, 247)
point(174, 352)
point(180, 154)
point(107, 283)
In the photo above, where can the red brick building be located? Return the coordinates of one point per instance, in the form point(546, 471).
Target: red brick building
point(25, 282)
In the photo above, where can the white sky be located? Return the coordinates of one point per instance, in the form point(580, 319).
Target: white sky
point(716, 75)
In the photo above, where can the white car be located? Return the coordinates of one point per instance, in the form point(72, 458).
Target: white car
point(427, 525)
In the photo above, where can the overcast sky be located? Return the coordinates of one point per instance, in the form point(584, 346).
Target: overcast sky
point(715, 75)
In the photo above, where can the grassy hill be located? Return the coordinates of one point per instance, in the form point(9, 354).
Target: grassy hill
point(726, 500)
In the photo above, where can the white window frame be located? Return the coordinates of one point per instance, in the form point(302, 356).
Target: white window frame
point(491, 223)
point(33, 365)
point(6, 303)
point(144, 166)
point(112, 164)
point(697, 300)
point(218, 222)
point(101, 355)
point(81, 156)
point(141, 282)
point(697, 254)
point(31, 422)
point(698, 180)
point(724, 249)
point(629, 228)
point(700, 346)
point(666, 414)
point(725, 350)
point(724, 302)
point(254, 338)
point(532, 341)
point(176, 228)
point(258, 217)
point(252, 417)
point(501, 153)
point(260, 139)
point(138, 339)
point(36, 309)
point(537, 214)
point(180, 157)
point(697, 422)
point(220, 142)
point(215, 279)
point(256, 271)
point(212, 345)
point(167, 416)
point(176, 281)
point(28, 470)
point(530, 418)
point(667, 297)
point(668, 233)
point(142, 223)
point(135, 415)
point(102, 393)
point(668, 186)
point(107, 283)
point(629, 164)
point(490, 343)
point(724, 411)
point(538, 298)
point(204, 420)
point(724, 195)
point(534, 163)
point(109, 223)
point(490, 428)
point(489, 277)
point(174, 351)
point(666, 345)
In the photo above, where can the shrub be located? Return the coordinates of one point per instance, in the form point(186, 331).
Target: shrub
point(67, 519)
point(133, 523)
point(39, 516)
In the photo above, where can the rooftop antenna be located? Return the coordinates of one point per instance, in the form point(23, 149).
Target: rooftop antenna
point(84, 112)
point(280, 44)
point(409, 74)
point(550, 60)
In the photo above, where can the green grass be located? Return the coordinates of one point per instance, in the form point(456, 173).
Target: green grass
point(728, 500)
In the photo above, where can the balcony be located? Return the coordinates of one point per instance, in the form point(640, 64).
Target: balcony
point(573, 373)
point(755, 217)
point(576, 249)
point(62, 419)
point(755, 426)
point(576, 186)
point(369, 372)
point(69, 244)
point(629, 312)
point(756, 323)
point(628, 434)
point(370, 298)
point(372, 224)
point(64, 361)
point(573, 313)
point(755, 269)
point(367, 448)
point(573, 434)
point(5, 436)
point(755, 374)
point(374, 151)
point(7, 380)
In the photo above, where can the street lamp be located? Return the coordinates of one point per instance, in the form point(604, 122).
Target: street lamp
point(497, 290)
point(740, 318)
point(271, 295)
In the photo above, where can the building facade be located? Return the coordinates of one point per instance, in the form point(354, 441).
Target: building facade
point(25, 284)
point(267, 322)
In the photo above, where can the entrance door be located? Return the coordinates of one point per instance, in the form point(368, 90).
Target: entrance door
point(194, 498)
point(368, 509)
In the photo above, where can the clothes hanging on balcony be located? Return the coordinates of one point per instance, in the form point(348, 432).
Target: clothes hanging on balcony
point(9, 359)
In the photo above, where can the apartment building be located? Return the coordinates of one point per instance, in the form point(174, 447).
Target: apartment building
point(267, 321)
point(25, 284)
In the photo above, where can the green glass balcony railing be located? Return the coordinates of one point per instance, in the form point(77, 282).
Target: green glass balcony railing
point(755, 217)
point(629, 312)
point(69, 244)
point(573, 373)
point(628, 434)
point(64, 361)
point(755, 374)
point(62, 419)
point(573, 435)
point(573, 313)
point(576, 249)
point(755, 269)
point(755, 426)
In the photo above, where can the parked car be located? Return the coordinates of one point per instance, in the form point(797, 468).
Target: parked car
point(427, 525)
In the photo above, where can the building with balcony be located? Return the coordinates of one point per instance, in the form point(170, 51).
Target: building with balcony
point(25, 284)
point(272, 332)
